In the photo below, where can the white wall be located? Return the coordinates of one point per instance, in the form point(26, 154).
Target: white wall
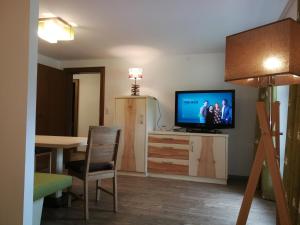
point(290, 10)
point(88, 103)
point(48, 61)
point(166, 74)
point(18, 60)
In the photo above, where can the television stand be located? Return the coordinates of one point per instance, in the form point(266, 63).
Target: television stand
point(199, 130)
point(183, 162)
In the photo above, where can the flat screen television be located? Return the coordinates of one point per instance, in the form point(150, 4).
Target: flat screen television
point(206, 109)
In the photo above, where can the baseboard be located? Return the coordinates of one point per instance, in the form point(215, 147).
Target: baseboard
point(189, 178)
point(175, 177)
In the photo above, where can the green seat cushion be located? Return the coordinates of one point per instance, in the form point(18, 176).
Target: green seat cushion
point(47, 184)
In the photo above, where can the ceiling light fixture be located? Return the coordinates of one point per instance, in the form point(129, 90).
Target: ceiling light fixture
point(55, 29)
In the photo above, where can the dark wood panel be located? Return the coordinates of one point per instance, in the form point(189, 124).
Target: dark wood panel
point(54, 105)
point(168, 152)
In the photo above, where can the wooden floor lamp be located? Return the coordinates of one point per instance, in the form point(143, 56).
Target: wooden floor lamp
point(265, 56)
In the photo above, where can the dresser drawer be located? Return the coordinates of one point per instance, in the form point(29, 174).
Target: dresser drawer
point(168, 151)
point(169, 139)
point(175, 167)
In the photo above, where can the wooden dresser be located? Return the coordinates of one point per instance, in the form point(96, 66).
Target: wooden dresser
point(135, 115)
point(188, 156)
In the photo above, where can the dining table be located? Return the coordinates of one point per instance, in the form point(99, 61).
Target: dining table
point(59, 144)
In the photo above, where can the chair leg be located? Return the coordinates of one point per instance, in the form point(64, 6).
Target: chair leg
point(69, 197)
point(98, 183)
point(35, 163)
point(50, 162)
point(115, 193)
point(86, 200)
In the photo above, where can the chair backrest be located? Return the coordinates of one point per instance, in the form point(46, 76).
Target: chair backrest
point(103, 143)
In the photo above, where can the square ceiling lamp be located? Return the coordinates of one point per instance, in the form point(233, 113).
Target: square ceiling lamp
point(265, 56)
point(55, 29)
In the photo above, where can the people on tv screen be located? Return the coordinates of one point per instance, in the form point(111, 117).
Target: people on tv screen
point(214, 114)
point(203, 111)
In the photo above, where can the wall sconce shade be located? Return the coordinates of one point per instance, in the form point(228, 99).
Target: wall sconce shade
point(135, 74)
point(266, 55)
point(55, 29)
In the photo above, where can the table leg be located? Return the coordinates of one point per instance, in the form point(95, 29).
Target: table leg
point(59, 166)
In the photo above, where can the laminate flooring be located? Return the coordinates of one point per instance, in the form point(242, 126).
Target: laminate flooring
point(156, 201)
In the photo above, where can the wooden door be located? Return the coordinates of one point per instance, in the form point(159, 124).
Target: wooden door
point(208, 157)
point(130, 116)
point(54, 102)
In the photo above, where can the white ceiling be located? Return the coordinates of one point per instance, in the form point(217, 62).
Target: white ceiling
point(134, 28)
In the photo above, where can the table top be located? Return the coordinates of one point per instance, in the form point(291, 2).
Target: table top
point(59, 141)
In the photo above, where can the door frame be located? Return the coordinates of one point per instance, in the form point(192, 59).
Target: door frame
point(89, 70)
point(75, 107)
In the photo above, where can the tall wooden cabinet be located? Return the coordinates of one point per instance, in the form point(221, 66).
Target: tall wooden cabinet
point(188, 156)
point(136, 116)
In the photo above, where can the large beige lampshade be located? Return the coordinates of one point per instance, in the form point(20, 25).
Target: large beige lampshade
point(266, 55)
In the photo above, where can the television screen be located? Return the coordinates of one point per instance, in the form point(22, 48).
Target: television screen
point(205, 109)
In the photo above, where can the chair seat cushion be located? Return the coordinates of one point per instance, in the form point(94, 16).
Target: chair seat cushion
point(78, 166)
point(47, 184)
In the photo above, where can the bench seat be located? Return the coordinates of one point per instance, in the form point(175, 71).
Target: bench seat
point(46, 184)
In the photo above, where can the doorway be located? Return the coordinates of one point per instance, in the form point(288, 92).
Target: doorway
point(87, 98)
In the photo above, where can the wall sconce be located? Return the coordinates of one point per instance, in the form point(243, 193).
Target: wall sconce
point(135, 74)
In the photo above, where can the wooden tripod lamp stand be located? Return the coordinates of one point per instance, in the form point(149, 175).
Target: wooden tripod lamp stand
point(265, 56)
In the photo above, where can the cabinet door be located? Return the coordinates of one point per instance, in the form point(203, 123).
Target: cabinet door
point(208, 157)
point(130, 116)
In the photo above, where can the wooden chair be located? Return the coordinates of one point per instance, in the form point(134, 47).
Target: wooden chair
point(41, 153)
point(100, 163)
